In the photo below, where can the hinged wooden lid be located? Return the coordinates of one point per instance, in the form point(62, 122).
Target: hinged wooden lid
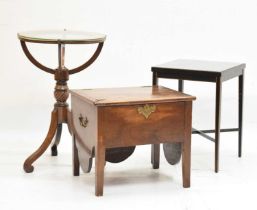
point(130, 95)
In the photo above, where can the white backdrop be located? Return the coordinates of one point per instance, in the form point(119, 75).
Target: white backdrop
point(139, 34)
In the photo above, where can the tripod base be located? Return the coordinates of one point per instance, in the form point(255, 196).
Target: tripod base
point(55, 127)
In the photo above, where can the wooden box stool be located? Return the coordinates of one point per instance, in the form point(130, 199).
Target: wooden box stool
point(124, 117)
point(206, 71)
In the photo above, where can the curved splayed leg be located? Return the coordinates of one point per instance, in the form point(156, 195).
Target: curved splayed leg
point(58, 134)
point(27, 166)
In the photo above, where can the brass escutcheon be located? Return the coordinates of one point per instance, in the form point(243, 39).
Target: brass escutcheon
point(146, 110)
point(83, 122)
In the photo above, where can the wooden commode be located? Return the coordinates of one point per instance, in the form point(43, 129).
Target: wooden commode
point(126, 117)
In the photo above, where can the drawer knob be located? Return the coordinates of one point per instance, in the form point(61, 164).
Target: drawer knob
point(146, 110)
point(83, 121)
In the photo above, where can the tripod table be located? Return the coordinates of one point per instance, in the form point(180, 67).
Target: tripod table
point(61, 113)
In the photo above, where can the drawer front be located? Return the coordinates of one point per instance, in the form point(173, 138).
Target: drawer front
point(141, 124)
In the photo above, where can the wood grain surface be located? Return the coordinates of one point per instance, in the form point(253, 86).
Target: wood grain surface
point(131, 95)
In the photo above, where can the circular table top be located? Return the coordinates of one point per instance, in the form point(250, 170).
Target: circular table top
point(61, 36)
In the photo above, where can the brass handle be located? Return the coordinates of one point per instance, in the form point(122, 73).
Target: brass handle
point(146, 110)
point(83, 122)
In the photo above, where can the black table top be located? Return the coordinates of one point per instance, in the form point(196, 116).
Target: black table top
point(200, 65)
point(198, 69)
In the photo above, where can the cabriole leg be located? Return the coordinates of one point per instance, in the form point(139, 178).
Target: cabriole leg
point(32, 158)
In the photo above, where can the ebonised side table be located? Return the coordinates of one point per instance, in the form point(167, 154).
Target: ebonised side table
point(61, 112)
point(206, 71)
